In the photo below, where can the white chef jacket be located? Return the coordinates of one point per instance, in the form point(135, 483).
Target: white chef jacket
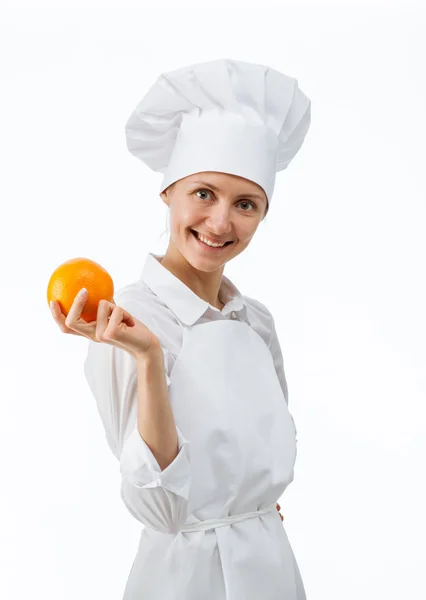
point(156, 299)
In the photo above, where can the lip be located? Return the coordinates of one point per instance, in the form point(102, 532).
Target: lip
point(212, 239)
point(210, 248)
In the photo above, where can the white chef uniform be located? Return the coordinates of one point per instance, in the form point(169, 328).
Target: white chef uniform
point(212, 530)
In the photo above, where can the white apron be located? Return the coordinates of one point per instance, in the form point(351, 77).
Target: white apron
point(228, 403)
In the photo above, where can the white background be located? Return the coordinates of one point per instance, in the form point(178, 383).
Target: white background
point(339, 261)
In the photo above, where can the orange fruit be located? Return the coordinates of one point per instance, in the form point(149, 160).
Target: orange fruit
point(68, 279)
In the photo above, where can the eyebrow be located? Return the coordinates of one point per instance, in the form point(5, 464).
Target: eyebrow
point(216, 189)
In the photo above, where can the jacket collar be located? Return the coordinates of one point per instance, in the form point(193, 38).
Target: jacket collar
point(182, 301)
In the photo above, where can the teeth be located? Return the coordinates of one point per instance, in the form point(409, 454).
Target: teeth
point(205, 241)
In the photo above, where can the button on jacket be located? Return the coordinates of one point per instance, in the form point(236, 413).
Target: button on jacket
point(212, 530)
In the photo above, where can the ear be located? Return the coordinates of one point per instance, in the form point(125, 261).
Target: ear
point(164, 198)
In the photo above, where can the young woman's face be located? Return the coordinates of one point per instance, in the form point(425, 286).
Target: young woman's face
point(221, 206)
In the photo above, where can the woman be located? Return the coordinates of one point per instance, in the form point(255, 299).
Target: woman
point(186, 371)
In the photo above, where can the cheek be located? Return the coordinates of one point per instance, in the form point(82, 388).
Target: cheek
point(180, 219)
point(247, 232)
point(189, 218)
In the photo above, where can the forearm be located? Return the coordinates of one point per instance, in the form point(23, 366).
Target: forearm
point(156, 423)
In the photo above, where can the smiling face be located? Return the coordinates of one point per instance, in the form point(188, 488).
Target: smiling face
point(221, 206)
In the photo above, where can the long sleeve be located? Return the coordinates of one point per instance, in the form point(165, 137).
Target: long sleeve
point(156, 498)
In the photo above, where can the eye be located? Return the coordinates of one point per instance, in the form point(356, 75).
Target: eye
point(201, 190)
point(240, 202)
point(248, 202)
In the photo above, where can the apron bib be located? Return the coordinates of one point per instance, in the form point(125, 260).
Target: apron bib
point(228, 403)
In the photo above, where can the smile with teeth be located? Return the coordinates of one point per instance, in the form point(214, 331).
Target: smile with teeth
point(208, 242)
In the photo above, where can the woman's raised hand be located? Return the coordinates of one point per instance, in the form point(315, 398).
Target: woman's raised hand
point(113, 325)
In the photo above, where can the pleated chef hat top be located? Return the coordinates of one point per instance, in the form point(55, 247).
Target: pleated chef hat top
point(223, 115)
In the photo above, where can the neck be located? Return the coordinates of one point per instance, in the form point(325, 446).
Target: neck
point(205, 285)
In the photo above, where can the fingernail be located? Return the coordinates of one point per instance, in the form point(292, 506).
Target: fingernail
point(52, 305)
point(82, 292)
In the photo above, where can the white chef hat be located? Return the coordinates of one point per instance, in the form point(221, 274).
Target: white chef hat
point(224, 115)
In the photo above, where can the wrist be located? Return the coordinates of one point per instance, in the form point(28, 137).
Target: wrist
point(144, 358)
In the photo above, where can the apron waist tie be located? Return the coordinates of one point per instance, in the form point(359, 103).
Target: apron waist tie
point(212, 523)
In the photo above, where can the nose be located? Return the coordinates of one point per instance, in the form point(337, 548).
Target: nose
point(219, 221)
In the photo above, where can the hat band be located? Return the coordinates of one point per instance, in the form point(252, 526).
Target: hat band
point(224, 143)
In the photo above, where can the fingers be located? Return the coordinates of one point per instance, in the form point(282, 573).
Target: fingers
point(75, 311)
point(60, 318)
point(74, 324)
point(110, 317)
point(105, 309)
